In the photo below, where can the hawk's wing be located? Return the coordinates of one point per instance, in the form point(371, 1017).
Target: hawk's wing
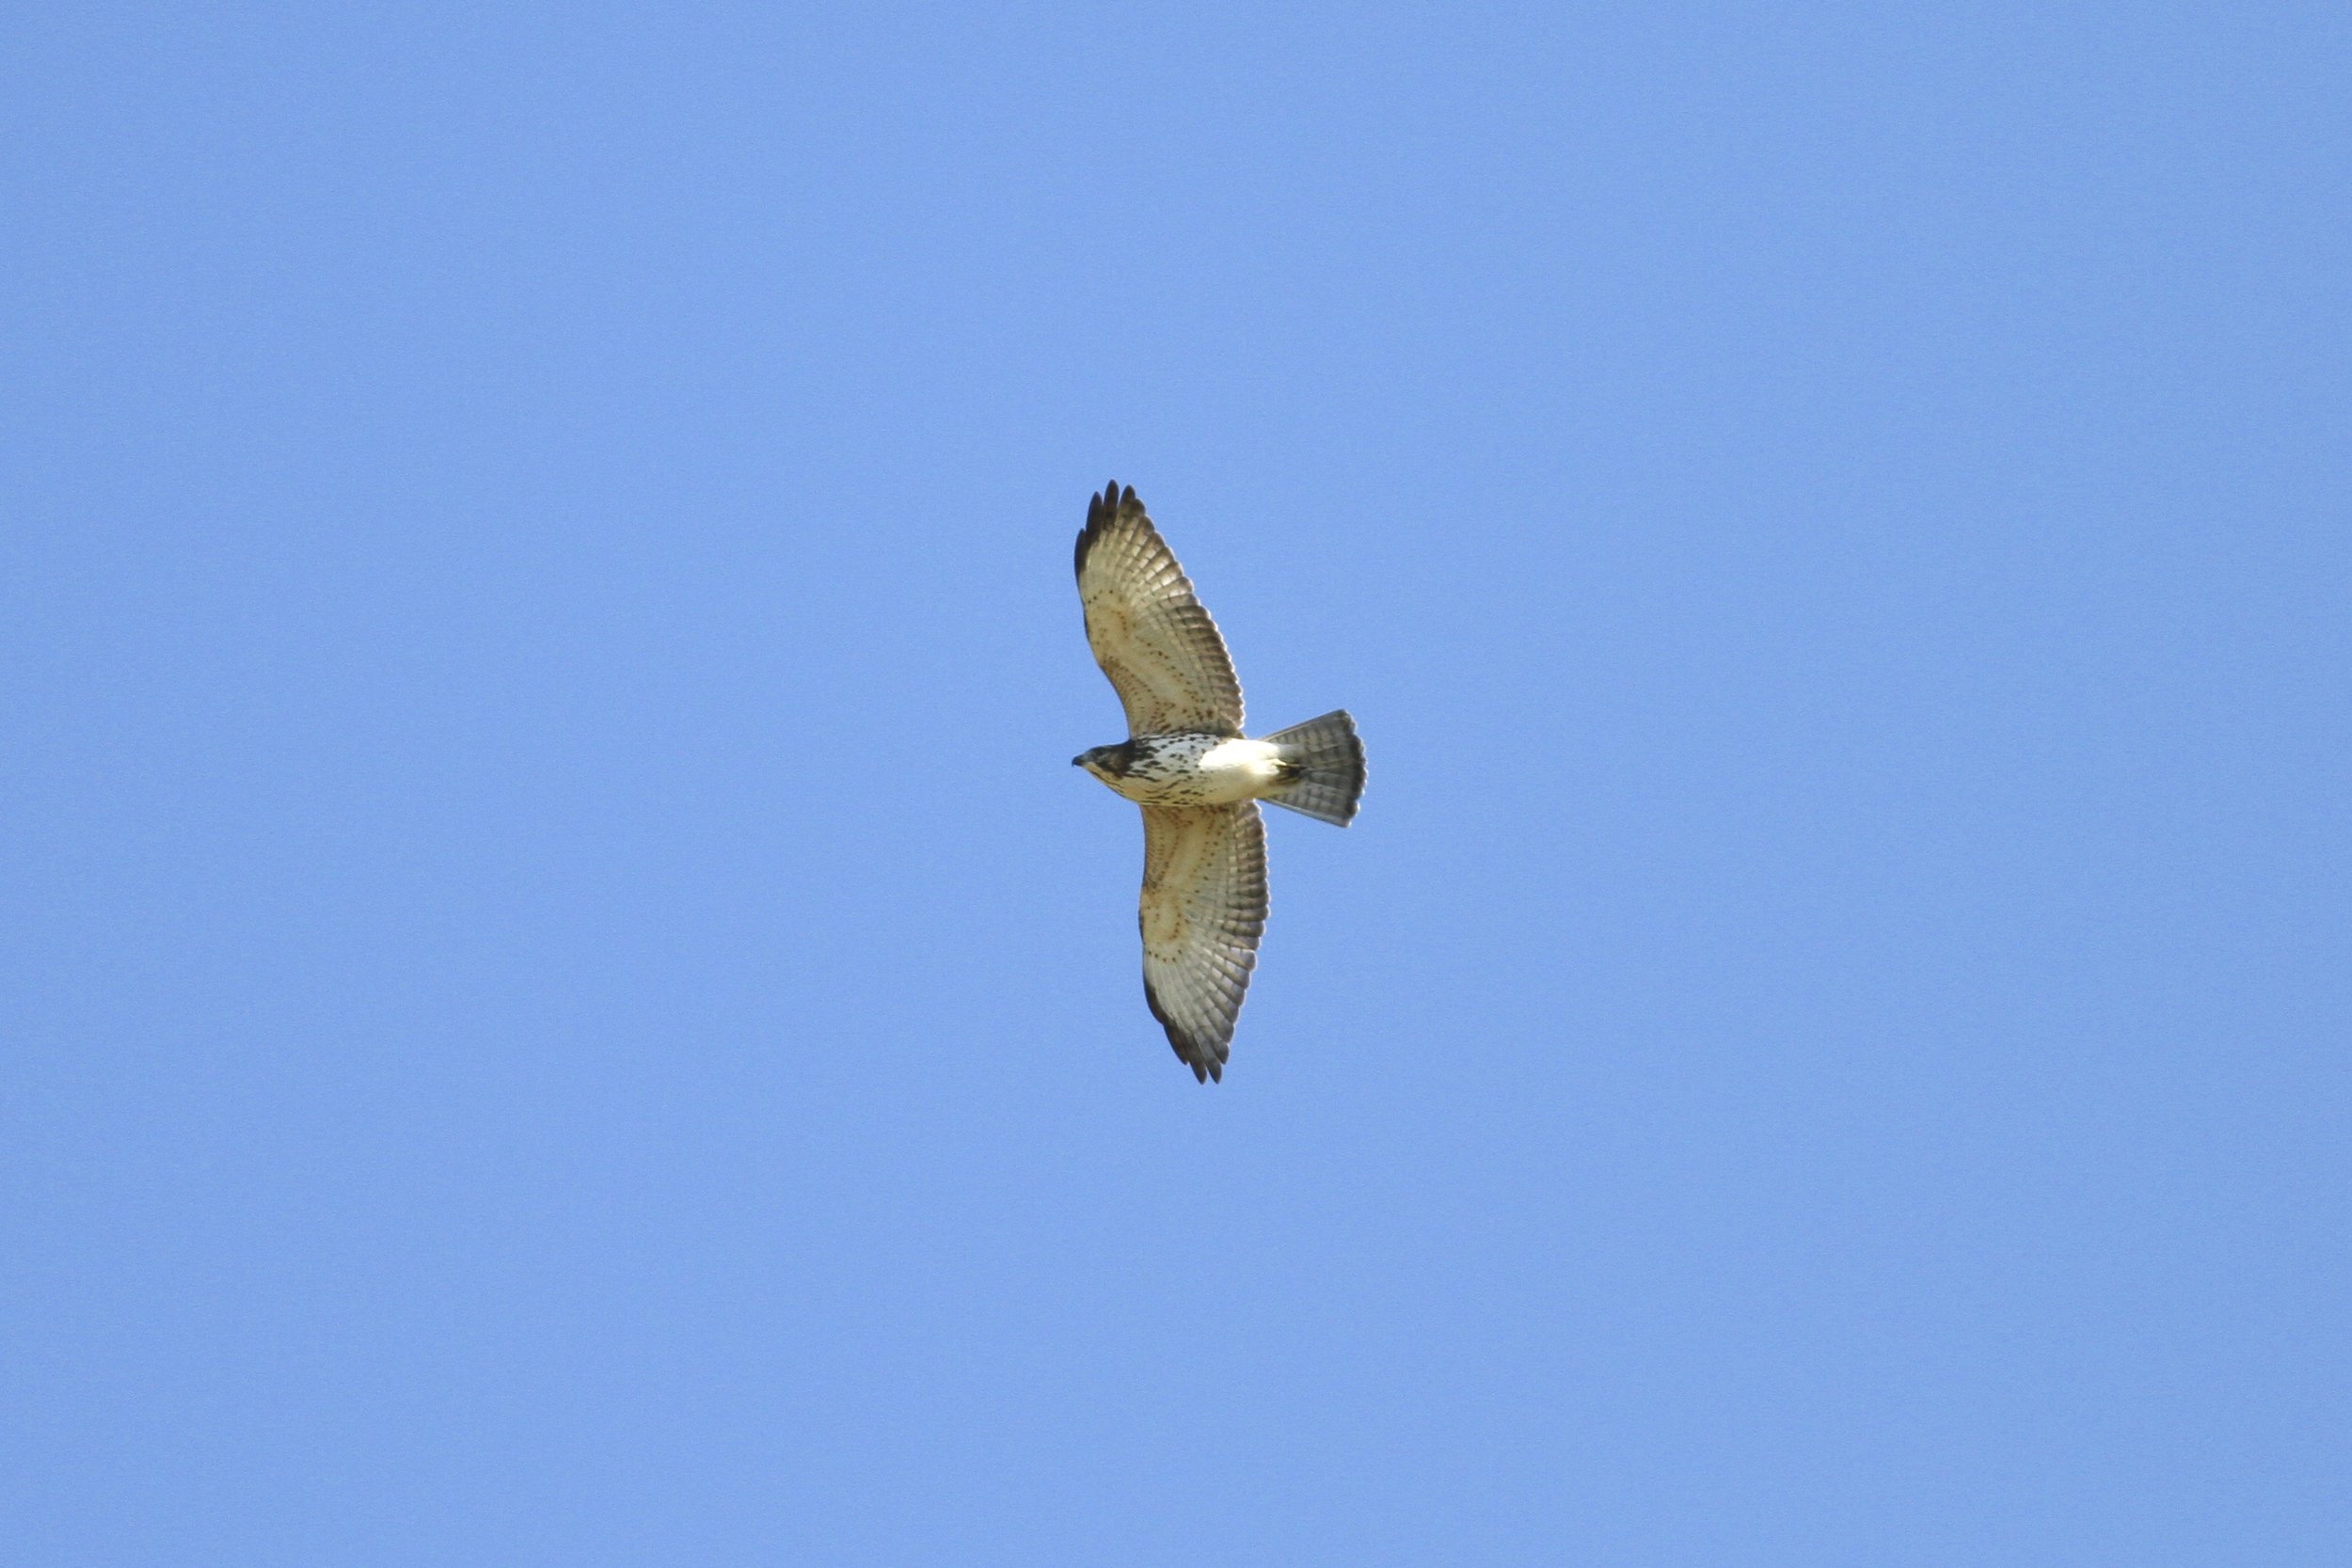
point(1203, 910)
point(1148, 632)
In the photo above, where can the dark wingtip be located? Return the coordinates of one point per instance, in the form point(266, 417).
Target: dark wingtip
point(1100, 510)
point(1205, 1064)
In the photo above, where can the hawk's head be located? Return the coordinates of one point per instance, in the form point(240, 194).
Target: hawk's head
point(1108, 762)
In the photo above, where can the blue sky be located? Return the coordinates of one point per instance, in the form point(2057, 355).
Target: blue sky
point(564, 1004)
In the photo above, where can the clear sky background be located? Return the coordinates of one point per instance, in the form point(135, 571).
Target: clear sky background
point(564, 1004)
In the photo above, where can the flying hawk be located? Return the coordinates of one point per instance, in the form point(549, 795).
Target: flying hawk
point(1185, 762)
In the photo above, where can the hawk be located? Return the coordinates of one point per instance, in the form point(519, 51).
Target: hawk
point(1198, 781)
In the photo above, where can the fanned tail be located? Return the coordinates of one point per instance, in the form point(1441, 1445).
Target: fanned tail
point(1329, 763)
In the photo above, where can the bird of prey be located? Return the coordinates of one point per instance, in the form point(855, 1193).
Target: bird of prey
point(1198, 781)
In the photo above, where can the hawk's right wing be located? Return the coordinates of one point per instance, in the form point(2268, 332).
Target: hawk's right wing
point(1204, 906)
point(1149, 635)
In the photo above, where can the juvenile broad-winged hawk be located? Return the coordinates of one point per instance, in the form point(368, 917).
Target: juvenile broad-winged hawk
point(1198, 781)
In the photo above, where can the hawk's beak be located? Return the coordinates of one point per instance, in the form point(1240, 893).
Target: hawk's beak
point(1077, 761)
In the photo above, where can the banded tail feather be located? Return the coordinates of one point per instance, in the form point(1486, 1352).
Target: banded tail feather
point(1329, 761)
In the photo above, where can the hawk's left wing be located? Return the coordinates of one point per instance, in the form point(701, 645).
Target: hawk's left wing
point(1204, 906)
point(1148, 631)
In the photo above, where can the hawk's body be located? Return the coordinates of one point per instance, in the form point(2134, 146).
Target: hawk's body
point(1193, 770)
point(1198, 779)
